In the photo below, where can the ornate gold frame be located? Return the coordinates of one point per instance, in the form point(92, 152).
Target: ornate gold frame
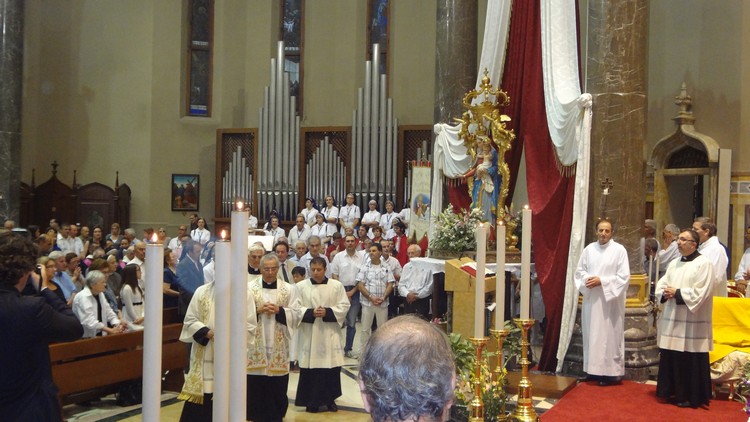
point(483, 119)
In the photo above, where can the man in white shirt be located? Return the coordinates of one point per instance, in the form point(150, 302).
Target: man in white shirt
point(315, 249)
point(415, 286)
point(345, 267)
point(375, 284)
point(395, 267)
point(175, 243)
point(299, 232)
point(77, 242)
point(64, 241)
point(712, 249)
point(300, 249)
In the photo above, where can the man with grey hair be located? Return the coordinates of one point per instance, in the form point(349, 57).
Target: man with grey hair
point(93, 310)
point(669, 251)
point(415, 286)
point(417, 385)
point(277, 305)
point(62, 278)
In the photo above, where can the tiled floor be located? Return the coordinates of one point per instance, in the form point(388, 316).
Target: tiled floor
point(350, 404)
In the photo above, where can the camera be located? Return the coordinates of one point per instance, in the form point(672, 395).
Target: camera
point(38, 270)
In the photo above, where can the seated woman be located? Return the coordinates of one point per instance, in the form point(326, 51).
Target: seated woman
point(131, 296)
point(171, 287)
point(101, 264)
point(93, 310)
point(48, 269)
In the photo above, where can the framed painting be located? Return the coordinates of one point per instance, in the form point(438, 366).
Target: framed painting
point(185, 192)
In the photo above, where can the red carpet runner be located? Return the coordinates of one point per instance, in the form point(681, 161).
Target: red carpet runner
point(632, 401)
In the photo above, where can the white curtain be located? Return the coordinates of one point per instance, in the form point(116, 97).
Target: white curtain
point(447, 155)
point(569, 120)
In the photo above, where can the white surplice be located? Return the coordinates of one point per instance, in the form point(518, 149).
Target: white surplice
point(603, 311)
point(687, 328)
point(320, 343)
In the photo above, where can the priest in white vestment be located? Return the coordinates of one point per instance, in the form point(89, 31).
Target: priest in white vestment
point(602, 278)
point(198, 329)
point(278, 308)
point(321, 355)
point(685, 334)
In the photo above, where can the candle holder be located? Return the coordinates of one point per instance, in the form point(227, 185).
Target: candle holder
point(524, 408)
point(476, 406)
point(499, 372)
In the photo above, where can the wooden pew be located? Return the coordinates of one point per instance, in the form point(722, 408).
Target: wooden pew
point(91, 368)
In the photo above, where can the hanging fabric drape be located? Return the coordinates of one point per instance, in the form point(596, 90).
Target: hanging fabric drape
point(550, 194)
point(569, 121)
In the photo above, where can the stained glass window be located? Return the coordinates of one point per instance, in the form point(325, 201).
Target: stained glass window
point(200, 46)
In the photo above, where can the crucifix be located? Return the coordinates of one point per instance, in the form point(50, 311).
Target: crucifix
point(606, 185)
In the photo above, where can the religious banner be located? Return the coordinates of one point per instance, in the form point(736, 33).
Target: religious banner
point(419, 223)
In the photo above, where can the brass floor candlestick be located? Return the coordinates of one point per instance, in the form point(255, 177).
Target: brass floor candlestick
point(525, 406)
point(500, 336)
point(476, 406)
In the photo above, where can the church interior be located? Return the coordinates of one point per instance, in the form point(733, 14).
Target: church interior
point(277, 101)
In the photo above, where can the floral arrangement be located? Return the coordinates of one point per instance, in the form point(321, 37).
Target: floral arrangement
point(455, 232)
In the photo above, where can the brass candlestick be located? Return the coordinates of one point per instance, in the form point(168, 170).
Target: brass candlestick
point(525, 407)
point(476, 406)
point(500, 336)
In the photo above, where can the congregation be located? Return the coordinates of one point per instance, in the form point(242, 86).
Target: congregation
point(305, 294)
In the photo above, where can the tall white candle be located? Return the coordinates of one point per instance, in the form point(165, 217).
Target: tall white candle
point(222, 306)
point(238, 316)
point(152, 332)
point(526, 262)
point(500, 277)
point(481, 235)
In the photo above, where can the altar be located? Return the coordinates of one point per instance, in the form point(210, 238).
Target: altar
point(460, 288)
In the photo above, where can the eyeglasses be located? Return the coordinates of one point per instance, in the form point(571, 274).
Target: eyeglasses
point(270, 268)
point(682, 239)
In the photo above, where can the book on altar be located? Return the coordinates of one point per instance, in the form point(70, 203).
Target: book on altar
point(471, 268)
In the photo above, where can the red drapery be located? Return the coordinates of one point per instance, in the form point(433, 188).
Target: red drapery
point(550, 194)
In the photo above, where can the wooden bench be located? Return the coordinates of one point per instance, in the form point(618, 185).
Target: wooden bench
point(92, 368)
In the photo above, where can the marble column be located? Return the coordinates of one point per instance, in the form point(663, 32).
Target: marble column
point(455, 56)
point(11, 81)
point(616, 77)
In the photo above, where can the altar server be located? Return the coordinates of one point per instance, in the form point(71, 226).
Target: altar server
point(324, 306)
point(602, 277)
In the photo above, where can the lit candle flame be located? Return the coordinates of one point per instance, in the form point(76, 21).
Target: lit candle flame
point(526, 207)
point(240, 205)
point(223, 235)
point(154, 238)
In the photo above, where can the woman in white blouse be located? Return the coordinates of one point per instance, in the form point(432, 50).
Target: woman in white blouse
point(322, 230)
point(309, 212)
point(131, 296)
point(274, 230)
point(371, 218)
point(386, 220)
point(331, 213)
point(349, 215)
point(201, 234)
